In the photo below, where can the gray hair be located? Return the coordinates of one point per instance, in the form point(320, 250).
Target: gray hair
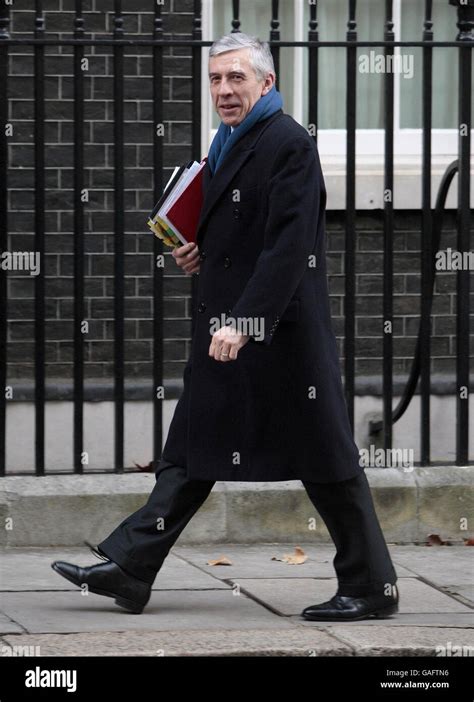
point(261, 58)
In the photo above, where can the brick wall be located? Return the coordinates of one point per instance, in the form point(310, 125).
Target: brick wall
point(99, 238)
point(99, 161)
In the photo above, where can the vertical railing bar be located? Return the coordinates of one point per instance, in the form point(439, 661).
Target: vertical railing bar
point(426, 240)
point(350, 243)
point(119, 239)
point(313, 35)
point(235, 16)
point(39, 241)
point(196, 84)
point(464, 218)
point(157, 244)
point(275, 36)
point(388, 237)
point(196, 53)
point(78, 242)
point(4, 53)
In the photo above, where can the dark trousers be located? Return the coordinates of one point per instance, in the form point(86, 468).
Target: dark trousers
point(362, 563)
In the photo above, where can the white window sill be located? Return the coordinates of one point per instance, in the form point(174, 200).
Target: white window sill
point(370, 181)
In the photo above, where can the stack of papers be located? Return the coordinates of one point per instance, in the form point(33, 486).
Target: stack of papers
point(175, 217)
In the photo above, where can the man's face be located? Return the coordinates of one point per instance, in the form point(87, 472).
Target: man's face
point(234, 85)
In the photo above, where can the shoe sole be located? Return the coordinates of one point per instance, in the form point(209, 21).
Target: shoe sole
point(378, 614)
point(120, 601)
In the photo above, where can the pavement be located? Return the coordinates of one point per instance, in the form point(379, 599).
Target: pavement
point(249, 608)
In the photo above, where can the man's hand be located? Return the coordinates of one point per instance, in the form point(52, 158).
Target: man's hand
point(226, 343)
point(187, 257)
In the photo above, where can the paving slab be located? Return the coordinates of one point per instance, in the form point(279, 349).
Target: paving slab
point(289, 597)
point(30, 569)
point(249, 560)
point(285, 641)
point(8, 626)
point(442, 565)
point(167, 610)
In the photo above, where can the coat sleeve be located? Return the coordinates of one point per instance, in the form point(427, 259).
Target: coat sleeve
point(294, 195)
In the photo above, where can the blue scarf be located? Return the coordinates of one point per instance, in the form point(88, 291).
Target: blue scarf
point(225, 139)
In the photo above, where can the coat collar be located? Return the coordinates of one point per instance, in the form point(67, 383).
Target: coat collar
point(214, 186)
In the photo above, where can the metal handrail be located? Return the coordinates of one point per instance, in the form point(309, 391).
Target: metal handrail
point(376, 425)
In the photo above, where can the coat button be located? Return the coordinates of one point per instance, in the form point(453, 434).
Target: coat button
point(227, 262)
point(237, 213)
point(202, 256)
point(201, 307)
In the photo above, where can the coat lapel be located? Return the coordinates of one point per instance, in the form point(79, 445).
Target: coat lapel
point(215, 186)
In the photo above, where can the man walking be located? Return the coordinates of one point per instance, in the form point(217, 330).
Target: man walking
point(262, 397)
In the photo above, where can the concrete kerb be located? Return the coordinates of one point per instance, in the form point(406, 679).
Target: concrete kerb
point(66, 509)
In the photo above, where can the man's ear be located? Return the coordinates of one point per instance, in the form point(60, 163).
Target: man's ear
point(267, 90)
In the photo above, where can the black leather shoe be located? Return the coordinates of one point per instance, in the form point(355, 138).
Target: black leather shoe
point(349, 609)
point(108, 579)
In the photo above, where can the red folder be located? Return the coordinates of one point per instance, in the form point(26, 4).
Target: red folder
point(184, 214)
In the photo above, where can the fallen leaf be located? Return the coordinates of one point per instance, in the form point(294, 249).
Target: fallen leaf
point(223, 560)
point(436, 540)
point(297, 558)
point(469, 542)
point(145, 469)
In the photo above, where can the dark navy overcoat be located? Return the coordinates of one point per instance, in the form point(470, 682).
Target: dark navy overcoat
point(278, 411)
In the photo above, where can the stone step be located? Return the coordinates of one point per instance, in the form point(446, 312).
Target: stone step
point(67, 509)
